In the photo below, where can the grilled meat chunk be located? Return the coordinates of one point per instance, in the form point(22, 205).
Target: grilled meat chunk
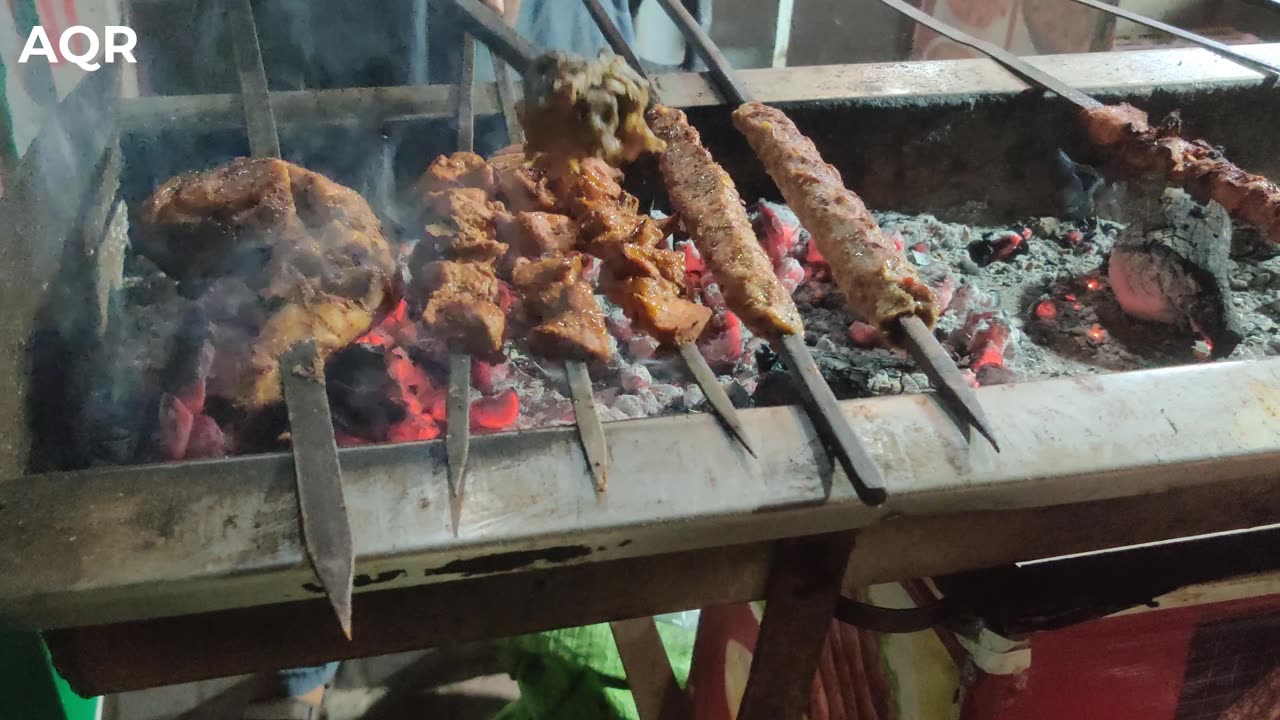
point(587, 108)
point(462, 225)
point(312, 250)
point(713, 214)
point(1140, 149)
point(520, 185)
point(459, 170)
point(878, 282)
point(462, 305)
point(658, 306)
point(534, 234)
point(569, 322)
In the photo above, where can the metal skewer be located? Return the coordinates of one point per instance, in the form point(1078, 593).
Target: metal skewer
point(457, 413)
point(940, 368)
point(702, 373)
point(590, 429)
point(1214, 46)
point(326, 530)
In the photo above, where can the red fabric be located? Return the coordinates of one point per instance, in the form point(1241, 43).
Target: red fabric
point(1122, 668)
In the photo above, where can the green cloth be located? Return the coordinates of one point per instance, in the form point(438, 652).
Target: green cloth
point(29, 687)
point(576, 672)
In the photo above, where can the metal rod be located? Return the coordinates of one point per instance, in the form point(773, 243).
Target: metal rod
point(1024, 70)
point(715, 394)
point(938, 366)
point(702, 373)
point(326, 529)
point(493, 31)
point(1214, 46)
point(326, 532)
point(946, 377)
point(816, 396)
point(590, 430)
point(507, 100)
point(458, 394)
point(721, 71)
point(263, 140)
point(831, 424)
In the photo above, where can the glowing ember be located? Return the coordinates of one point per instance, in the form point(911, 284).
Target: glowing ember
point(1203, 349)
point(1097, 335)
point(413, 428)
point(495, 413)
point(812, 255)
point(864, 335)
point(175, 427)
point(1092, 283)
point(725, 348)
point(1046, 310)
point(1069, 297)
point(1075, 237)
point(207, 439)
point(778, 238)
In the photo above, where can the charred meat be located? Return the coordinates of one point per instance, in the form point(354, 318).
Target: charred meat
point(711, 211)
point(587, 108)
point(1140, 149)
point(311, 249)
point(878, 282)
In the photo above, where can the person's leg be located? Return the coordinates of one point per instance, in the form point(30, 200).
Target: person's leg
point(298, 695)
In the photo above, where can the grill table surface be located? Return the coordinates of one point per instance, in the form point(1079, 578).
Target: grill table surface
point(209, 552)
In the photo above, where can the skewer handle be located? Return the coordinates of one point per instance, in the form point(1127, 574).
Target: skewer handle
point(494, 32)
point(721, 71)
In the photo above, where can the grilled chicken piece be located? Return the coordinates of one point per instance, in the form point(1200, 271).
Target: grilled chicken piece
point(312, 249)
point(570, 324)
point(462, 305)
point(713, 214)
point(534, 234)
point(587, 108)
point(657, 306)
point(875, 277)
point(463, 225)
point(459, 170)
point(521, 186)
point(1141, 149)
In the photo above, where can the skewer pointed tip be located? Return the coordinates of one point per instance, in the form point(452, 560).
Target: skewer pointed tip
point(716, 397)
point(952, 388)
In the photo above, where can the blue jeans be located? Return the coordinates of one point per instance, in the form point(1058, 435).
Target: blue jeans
point(300, 681)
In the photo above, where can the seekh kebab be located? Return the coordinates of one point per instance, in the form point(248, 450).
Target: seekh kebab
point(878, 282)
point(712, 212)
point(1141, 149)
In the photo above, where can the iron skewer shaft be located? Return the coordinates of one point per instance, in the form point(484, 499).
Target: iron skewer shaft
point(457, 440)
point(706, 378)
point(493, 31)
point(1014, 64)
point(590, 429)
point(1220, 49)
point(322, 510)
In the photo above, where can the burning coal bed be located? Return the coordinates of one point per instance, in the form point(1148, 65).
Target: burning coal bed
point(1033, 300)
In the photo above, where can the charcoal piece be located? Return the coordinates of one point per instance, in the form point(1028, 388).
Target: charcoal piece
point(1077, 185)
point(1171, 267)
point(998, 247)
point(363, 396)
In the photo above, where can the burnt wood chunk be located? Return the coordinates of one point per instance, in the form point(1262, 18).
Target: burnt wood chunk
point(1170, 266)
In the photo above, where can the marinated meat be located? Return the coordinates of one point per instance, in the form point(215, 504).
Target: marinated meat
point(569, 322)
point(310, 248)
point(459, 170)
point(462, 306)
point(463, 225)
point(878, 282)
point(647, 281)
point(534, 234)
point(587, 108)
point(657, 306)
point(712, 213)
point(1141, 149)
point(520, 185)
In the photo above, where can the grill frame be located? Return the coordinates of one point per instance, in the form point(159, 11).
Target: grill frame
point(140, 543)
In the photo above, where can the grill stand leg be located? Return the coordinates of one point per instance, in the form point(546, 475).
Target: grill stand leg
point(799, 602)
point(653, 683)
